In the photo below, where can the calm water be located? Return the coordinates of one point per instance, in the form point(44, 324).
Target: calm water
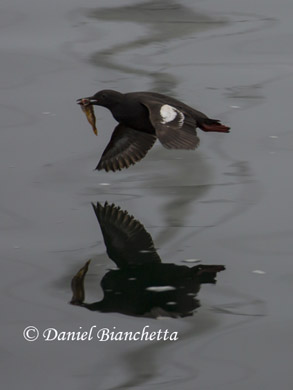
point(228, 203)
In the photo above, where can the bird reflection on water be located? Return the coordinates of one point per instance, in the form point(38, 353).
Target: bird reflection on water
point(142, 285)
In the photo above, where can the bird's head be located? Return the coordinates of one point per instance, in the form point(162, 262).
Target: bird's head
point(106, 98)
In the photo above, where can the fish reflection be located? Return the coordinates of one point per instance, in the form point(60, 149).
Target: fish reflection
point(142, 285)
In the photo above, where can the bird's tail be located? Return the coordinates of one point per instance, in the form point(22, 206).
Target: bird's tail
point(207, 124)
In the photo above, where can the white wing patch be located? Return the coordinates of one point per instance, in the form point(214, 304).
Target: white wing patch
point(169, 113)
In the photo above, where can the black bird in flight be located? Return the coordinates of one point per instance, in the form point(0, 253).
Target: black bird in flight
point(143, 117)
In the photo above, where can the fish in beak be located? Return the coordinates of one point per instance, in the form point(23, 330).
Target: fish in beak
point(88, 109)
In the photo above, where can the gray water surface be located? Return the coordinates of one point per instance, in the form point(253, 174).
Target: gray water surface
point(229, 202)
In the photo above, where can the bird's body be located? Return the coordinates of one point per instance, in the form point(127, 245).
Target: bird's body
point(131, 113)
point(145, 116)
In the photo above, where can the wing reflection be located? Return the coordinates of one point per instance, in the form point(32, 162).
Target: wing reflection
point(142, 285)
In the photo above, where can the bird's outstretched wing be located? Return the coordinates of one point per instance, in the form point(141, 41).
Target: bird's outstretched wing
point(126, 147)
point(127, 241)
point(174, 127)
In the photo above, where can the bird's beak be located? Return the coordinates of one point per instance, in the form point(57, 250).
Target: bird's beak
point(87, 100)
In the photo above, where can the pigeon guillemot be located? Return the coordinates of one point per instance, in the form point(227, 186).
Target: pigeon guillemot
point(143, 117)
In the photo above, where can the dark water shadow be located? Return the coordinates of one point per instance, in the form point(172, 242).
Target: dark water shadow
point(142, 285)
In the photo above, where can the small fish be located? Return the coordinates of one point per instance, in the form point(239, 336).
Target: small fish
point(77, 285)
point(89, 112)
